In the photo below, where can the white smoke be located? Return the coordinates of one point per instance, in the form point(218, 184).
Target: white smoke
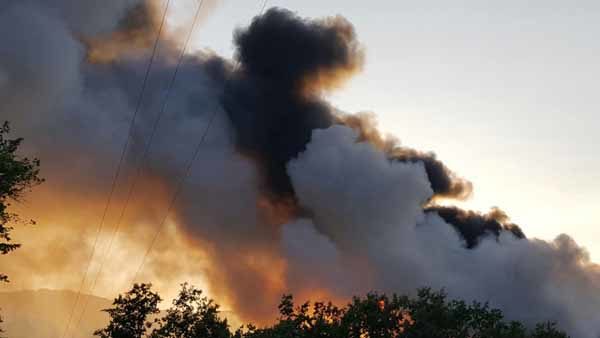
point(364, 203)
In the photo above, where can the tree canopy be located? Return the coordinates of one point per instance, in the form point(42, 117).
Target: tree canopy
point(17, 175)
point(129, 314)
point(428, 315)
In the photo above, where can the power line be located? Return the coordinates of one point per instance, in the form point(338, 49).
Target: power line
point(181, 182)
point(262, 9)
point(145, 153)
point(119, 165)
point(178, 191)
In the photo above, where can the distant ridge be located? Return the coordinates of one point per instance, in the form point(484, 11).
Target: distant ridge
point(43, 313)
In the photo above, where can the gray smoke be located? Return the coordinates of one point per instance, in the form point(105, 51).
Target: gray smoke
point(368, 219)
point(531, 280)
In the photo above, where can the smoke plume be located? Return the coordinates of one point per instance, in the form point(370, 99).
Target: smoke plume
point(135, 31)
point(288, 194)
point(273, 99)
point(472, 226)
point(444, 182)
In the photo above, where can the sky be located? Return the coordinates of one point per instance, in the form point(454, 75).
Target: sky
point(504, 92)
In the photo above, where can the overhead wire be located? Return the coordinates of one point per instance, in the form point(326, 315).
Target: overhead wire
point(146, 151)
point(178, 191)
point(189, 165)
point(119, 168)
point(181, 182)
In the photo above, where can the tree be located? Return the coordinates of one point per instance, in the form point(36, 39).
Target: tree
point(17, 175)
point(191, 316)
point(547, 330)
point(428, 315)
point(432, 315)
point(1, 331)
point(320, 320)
point(129, 314)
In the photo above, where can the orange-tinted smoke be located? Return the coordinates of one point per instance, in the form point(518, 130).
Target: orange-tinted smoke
point(444, 182)
point(136, 32)
point(331, 77)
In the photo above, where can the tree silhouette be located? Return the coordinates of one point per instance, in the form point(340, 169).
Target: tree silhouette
point(191, 316)
point(320, 320)
point(428, 315)
point(129, 314)
point(17, 175)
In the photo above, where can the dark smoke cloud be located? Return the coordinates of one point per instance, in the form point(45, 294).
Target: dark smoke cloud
point(473, 226)
point(283, 49)
point(444, 182)
point(273, 99)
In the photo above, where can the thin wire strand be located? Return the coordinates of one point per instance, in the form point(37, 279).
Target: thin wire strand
point(119, 165)
point(181, 183)
point(262, 9)
point(145, 154)
point(178, 191)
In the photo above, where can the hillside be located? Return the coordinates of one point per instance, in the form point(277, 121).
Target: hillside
point(44, 313)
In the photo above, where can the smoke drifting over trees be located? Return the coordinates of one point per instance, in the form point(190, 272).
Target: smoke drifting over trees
point(288, 194)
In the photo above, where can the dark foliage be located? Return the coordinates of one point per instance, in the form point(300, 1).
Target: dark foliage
point(428, 315)
point(192, 315)
point(129, 314)
point(17, 175)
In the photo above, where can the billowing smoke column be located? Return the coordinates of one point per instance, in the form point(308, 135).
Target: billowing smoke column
point(288, 193)
point(273, 98)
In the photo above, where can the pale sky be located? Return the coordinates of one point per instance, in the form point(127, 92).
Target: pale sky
point(505, 92)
